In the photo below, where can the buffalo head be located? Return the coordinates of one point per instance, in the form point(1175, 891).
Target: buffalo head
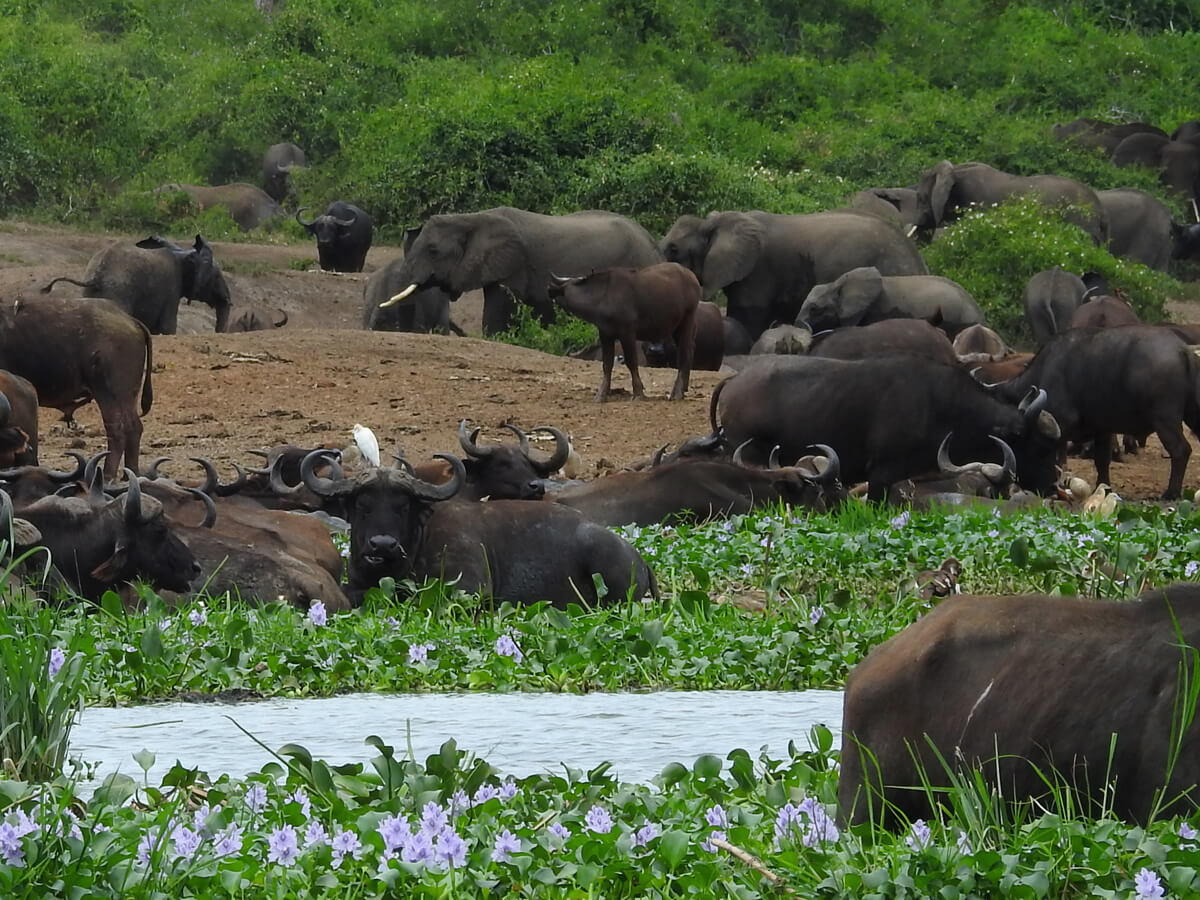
point(508, 473)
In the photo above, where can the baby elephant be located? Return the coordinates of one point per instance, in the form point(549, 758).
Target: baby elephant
point(631, 305)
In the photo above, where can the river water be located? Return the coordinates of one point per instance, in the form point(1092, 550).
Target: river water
point(519, 734)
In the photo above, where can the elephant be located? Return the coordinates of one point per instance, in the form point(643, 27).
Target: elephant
point(511, 254)
point(1139, 227)
point(1097, 133)
point(947, 188)
point(147, 280)
point(343, 234)
point(767, 263)
point(896, 205)
point(1178, 162)
point(248, 206)
point(737, 339)
point(1051, 298)
point(1185, 241)
point(278, 163)
point(427, 310)
point(865, 295)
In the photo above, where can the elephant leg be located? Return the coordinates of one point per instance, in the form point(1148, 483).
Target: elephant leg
point(169, 321)
point(630, 343)
point(685, 342)
point(498, 306)
point(608, 353)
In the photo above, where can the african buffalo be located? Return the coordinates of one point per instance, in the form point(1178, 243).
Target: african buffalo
point(649, 304)
point(343, 234)
point(509, 550)
point(1035, 694)
point(709, 344)
point(879, 338)
point(18, 421)
point(885, 416)
point(978, 342)
point(502, 472)
point(1104, 311)
point(1105, 381)
point(100, 353)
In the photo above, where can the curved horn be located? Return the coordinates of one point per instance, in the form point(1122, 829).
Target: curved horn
point(468, 442)
point(657, 458)
point(133, 502)
point(833, 469)
point(152, 473)
point(266, 457)
point(773, 459)
point(59, 477)
point(561, 280)
point(212, 484)
point(344, 223)
point(521, 437)
point(396, 298)
point(738, 459)
point(945, 466)
point(404, 463)
point(428, 491)
point(1010, 460)
point(318, 484)
point(210, 507)
point(278, 485)
point(90, 467)
point(307, 225)
point(1032, 403)
point(556, 460)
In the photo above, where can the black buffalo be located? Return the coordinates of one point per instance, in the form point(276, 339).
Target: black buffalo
point(510, 550)
point(885, 416)
point(343, 236)
point(1026, 689)
point(502, 472)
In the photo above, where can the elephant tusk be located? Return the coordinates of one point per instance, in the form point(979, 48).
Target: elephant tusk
point(910, 231)
point(398, 297)
point(1195, 210)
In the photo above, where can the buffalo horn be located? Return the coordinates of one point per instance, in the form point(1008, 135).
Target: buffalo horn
point(318, 484)
point(278, 485)
point(152, 473)
point(522, 438)
point(833, 469)
point(210, 507)
point(1032, 403)
point(657, 458)
point(738, 460)
point(468, 442)
point(53, 475)
point(301, 221)
point(90, 467)
point(212, 484)
point(404, 464)
point(1008, 471)
point(133, 502)
point(428, 491)
point(945, 466)
point(561, 280)
point(773, 459)
point(344, 223)
point(562, 450)
point(396, 298)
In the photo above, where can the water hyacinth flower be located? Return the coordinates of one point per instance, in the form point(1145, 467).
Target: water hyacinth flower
point(1187, 833)
point(1148, 886)
point(901, 520)
point(256, 798)
point(506, 646)
point(345, 843)
point(146, 846)
point(300, 796)
point(646, 834)
point(186, 842)
point(55, 664)
point(707, 844)
point(508, 790)
point(919, 836)
point(395, 832)
point(198, 616)
point(433, 818)
point(505, 845)
point(559, 832)
point(809, 818)
point(229, 843)
point(12, 851)
point(717, 817)
point(419, 653)
point(418, 848)
point(484, 793)
point(963, 843)
point(315, 835)
point(598, 820)
point(1190, 570)
point(317, 614)
point(282, 846)
point(816, 614)
point(450, 849)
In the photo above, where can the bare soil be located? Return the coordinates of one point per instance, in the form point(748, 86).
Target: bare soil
point(310, 382)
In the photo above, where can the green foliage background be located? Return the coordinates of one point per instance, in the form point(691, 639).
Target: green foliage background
point(650, 108)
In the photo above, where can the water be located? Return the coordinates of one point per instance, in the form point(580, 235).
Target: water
point(520, 734)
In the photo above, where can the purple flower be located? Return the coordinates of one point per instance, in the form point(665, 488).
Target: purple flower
point(186, 842)
point(345, 843)
point(598, 820)
point(708, 846)
point(1148, 886)
point(200, 817)
point(316, 613)
point(506, 646)
point(395, 832)
point(646, 834)
point(1187, 832)
point(300, 796)
point(484, 793)
point(11, 849)
point(506, 844)
point(560, 831)
point(418, 848)
point(816, 614)
point(508, 790)
point(433, 818)
point(282, 846)
point(901, 520)
point(419, 653)
point(146, 846)
point(963, 843)
point(716, 817)
point(1190, 570)
point(256, 798)
point(57, 658)
point(450, 849)
point(810, 819)
point(919, 836)
point(198, 616)
point(230, 842)
point(315, 835)
point(994, 533)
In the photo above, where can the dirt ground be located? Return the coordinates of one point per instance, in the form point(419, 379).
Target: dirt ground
point(219, 395)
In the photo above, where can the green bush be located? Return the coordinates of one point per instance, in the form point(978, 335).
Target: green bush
point(565, 335)
point(993, 252)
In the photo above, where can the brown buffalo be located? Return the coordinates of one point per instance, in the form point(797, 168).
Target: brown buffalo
point(100, 353)
point(709, 350)
point(1026, 689)
point(651, 304)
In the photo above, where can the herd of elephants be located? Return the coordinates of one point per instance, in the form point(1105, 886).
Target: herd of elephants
point(850, 363)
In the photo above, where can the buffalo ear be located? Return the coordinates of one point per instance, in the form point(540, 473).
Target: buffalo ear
point(858, 290)
point(110, 570)
point(733, 252)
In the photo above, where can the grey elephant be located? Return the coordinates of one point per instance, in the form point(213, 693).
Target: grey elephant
point(511, 254)
point(865, 295)
point(1139, 227)
point(946, 189)
point(1099, 134)
point(248, 206)
point(1051, 298)
point(1178, 162)
point(767, 263)
point(147, 280)
point(278, 163)
point(897, 205)
point(426, 310)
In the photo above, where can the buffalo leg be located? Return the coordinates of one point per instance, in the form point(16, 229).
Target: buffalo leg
point(1179, 450)
point(1102, 445)
point(608, 352)
point(124, 432)
point(685, 343)
point(629, 341)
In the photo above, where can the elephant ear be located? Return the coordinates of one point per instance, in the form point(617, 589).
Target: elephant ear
point(734, 248)
point(936, 185)
point(858, 291)
point(493, 253)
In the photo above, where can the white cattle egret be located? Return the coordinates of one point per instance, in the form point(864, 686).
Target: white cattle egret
point(367, 443)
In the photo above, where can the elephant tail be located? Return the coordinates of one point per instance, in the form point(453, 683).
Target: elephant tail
point(82, 284)
point(147, 387)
